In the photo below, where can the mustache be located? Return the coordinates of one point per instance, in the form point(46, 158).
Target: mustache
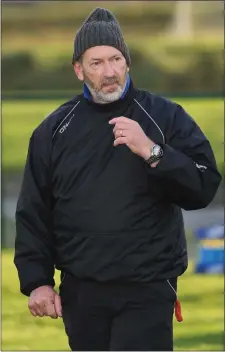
point(109, 80)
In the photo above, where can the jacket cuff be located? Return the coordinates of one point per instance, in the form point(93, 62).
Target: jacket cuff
point(26, 290)
point(172, 160)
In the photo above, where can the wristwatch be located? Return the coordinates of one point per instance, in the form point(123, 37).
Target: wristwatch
point(156, 154)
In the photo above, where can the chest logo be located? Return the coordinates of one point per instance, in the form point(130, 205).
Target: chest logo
point(64, 127)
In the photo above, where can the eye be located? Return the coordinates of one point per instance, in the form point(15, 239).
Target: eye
point(95, 64)
point(117, 58)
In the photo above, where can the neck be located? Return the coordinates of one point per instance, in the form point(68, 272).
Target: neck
point(90, 94)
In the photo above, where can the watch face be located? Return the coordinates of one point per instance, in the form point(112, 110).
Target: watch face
point(156, 150)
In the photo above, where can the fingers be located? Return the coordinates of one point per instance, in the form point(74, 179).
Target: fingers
point(120, 119)
point(120, 140)
point(33, 312)
point(35, 309)
point(120, 133)
point(121, 136)
point(121, 126)
point(51, 308)
point(58, 306)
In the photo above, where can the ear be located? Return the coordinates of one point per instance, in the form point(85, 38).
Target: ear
point(78, 71)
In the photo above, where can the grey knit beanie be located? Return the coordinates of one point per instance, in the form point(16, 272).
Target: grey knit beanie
point(100, 28)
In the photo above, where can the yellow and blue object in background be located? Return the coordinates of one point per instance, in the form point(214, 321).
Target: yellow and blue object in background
point(210, 252)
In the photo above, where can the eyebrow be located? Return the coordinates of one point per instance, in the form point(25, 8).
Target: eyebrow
point(98, 59)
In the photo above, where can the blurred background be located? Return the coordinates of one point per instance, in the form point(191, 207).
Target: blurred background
point(177, 51)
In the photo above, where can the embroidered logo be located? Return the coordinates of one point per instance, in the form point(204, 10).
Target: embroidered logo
point(201, 167)
point(64, 127)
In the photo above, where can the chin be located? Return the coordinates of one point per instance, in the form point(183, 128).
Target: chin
point(110, 97)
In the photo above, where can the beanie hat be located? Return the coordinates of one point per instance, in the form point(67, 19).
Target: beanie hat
point(100, 28)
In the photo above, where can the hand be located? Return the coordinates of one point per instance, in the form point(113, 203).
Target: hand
point(129, 132)
point(45, 301)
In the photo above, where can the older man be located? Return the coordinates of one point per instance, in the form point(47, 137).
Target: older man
point(106, 177)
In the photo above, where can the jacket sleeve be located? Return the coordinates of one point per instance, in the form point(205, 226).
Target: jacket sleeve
point(188, 168)
point(34, 254)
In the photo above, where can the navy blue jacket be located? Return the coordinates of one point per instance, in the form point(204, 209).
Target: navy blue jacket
point(101, 212)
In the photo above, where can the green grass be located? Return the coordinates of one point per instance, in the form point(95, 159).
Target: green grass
point(19, 118)
point(202, 306)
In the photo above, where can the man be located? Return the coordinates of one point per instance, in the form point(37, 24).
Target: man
point(106, 176)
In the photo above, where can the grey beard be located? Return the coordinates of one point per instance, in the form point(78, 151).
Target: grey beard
point(105, 98)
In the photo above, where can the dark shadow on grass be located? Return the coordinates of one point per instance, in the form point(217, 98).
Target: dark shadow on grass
point(196, 297)
point(215, 339)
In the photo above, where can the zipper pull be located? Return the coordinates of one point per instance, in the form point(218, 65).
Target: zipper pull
point(178, 313)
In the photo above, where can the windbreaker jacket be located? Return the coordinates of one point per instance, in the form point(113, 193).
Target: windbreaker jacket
point(100, 212)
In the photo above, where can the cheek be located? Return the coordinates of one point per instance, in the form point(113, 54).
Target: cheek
point(99, 77)
point(121, 72)
point(89, 76)
point(123, 68)
point(96, 79)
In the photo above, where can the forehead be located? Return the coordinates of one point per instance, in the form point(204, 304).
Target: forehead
point(102, 52)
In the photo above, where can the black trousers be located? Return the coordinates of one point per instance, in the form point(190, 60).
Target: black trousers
point(115, 316)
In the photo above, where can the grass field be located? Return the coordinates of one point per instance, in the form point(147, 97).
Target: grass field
point(19, 118)
point(202, 299)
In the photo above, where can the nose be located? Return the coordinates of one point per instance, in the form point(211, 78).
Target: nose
point(108, 70)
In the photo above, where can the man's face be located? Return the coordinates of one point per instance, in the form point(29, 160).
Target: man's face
point(103, 69)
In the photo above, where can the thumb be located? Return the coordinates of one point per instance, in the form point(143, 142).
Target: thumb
point(58, 306)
